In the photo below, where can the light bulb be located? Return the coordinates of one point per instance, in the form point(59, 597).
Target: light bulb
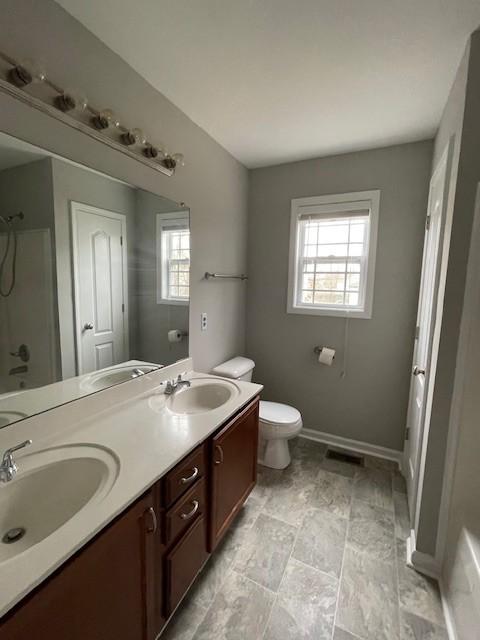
point(134, 136)
point(105, 119)
point(28, 71)
point(163, 149)
point(72, 100)
point(179, 159)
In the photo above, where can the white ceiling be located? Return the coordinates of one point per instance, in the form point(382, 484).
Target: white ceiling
point(280, 80)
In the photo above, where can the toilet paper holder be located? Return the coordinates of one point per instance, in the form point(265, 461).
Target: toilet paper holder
point(317, 350)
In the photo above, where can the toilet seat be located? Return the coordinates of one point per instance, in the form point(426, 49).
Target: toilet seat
point(279, 414)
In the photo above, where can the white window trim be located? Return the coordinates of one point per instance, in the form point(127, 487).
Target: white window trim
point(356, 200)
point(167, 219)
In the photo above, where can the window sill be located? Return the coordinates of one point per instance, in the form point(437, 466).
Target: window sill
point(366, 314)
point(179, 303)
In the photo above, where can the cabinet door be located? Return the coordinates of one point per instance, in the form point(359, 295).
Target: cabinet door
point(234, 469)
point(104, 593)
point(184, 562)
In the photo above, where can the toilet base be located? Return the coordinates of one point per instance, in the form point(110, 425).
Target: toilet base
point(276, 454)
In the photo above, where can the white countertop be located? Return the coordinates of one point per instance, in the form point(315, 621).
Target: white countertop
point(145, 442)
point(29, 402)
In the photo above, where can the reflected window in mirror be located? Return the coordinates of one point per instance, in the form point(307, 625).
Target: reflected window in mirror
point(173, 258)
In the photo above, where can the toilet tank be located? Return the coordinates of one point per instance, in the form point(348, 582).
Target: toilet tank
point(238, 368)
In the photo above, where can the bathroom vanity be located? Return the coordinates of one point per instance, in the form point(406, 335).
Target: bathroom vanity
point(126, 581)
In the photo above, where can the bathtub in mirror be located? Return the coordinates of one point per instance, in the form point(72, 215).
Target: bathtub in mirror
point(94, 281)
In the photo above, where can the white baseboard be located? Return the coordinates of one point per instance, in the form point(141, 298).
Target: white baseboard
point(425, 563)
point(421, 562)
point(447, 612)
point(353, 445)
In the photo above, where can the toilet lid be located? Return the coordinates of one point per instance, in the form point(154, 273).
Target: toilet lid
point(278, 413)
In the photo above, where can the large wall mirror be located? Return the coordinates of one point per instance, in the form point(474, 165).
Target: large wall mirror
point(94, 281)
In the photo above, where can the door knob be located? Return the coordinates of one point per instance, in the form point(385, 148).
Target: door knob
point(417, 371)
point(87, 326)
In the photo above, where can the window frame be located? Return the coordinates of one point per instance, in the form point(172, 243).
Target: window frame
point(165, 221)
point(323, 205)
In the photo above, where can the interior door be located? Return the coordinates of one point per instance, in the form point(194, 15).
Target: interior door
point(425, 326)
point(100, 283)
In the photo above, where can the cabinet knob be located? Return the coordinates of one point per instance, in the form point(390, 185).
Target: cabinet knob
point(153, 516)
point(220, 451)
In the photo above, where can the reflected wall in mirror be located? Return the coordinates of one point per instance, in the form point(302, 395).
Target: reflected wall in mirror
point(94, 281)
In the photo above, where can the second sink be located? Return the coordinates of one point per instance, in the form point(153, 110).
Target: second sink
point(204, 394)
point(51, 487)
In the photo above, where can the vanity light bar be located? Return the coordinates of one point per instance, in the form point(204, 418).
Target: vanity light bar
point(70, 106)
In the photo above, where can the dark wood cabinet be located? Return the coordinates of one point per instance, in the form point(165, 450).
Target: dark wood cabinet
point(126, 582)
point(184, 562)
point(233, 469)
point(184, 475)
point(191, 506)
point(104, 593)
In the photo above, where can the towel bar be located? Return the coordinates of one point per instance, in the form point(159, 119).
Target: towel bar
point(208, 275)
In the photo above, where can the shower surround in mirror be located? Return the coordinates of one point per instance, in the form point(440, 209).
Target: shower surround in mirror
point(94, 274)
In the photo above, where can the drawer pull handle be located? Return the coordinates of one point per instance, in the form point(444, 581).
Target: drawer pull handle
point(188, 479)
point(220, 451)
point(190, 514)
point(153, 515)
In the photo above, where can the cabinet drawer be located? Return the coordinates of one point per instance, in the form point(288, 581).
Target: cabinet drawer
point(184, 562)
point(184, 475)
point(191, 506)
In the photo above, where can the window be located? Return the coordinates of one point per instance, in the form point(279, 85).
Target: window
point(173, 258)
point(332, 254)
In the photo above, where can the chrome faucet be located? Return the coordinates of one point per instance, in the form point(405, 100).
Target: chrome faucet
point(137, 372)
point(174, 385)
point(8, 468)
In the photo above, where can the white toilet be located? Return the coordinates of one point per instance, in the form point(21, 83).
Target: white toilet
point(278, 422)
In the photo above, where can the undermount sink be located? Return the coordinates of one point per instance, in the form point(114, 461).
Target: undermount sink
point(50, 488)
point(116, 375)
point(203, 395)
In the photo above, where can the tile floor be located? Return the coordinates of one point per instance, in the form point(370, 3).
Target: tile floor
point(318, 553)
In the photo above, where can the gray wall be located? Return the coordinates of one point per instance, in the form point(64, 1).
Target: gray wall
point(461, 120)
point(72, 183)
point(212, 184)
point(370, 403)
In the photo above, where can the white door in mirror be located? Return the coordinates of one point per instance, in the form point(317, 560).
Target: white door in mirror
point(100, 287)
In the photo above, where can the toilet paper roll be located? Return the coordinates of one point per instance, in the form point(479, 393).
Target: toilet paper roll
point(174, 335)
point(326, 356)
